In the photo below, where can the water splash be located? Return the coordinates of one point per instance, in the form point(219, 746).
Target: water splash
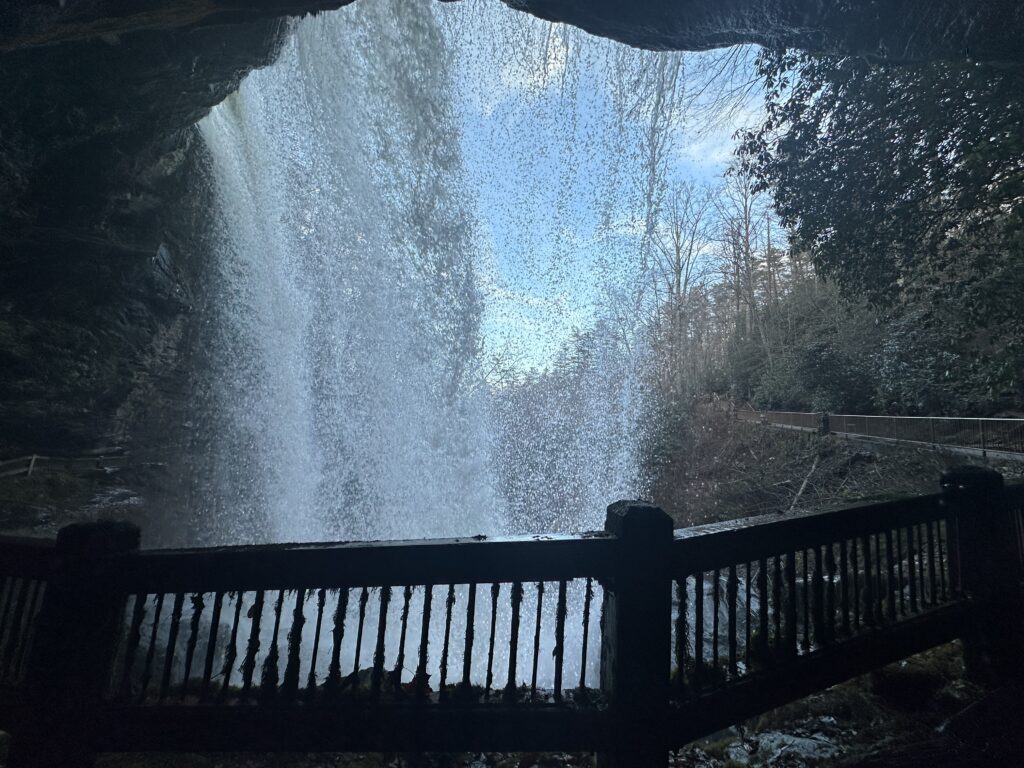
point(344, 397)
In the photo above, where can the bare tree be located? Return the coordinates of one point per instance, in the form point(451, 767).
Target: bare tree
point(680, 265)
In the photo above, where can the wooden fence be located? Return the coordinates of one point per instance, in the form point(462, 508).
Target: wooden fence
point(630, 642)
point(997, 438)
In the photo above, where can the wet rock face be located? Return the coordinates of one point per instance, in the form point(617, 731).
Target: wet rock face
point(92, 130)
point(101, 217)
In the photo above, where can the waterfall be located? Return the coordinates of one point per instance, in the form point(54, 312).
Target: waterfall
point(343, 396)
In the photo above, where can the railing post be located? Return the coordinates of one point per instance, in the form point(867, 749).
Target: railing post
point(823, 423)
point(636, 629)
point(75, 640)
point(988, 570)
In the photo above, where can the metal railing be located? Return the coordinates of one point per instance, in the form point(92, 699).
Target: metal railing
point(997, 437)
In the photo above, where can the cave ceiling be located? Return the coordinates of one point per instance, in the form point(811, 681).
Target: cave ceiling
point(885, 30)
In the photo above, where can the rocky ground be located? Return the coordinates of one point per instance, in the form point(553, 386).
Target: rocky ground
point(921, 711)
point(722, 469)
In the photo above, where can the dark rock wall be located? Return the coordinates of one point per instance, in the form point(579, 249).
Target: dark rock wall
point(891, 31)
point(101, 222)
point(103, 215)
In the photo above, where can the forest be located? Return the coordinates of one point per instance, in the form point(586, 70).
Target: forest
point(861, 254)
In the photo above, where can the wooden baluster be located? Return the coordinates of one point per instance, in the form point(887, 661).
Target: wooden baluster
point(933, 590)
point(869, 581)
point(17, 610)
point(337, 636)
point(231, 652)
point(939, 538)
point(30, 623)
point(731, 593)
point(698, 630)
point(400, 661)
point(10, 636)
point(20, 629)
point(922, 592)
point(449, 604)
point(364, 598)
point(844, 586)
point(269, 675)
point(420, 680)
point(495, 591)
point(777, 597)
point(762, 595)
point(952, 571)
point(879, 593)
point(855, 582)
point(830, 592)
point(211, 646)
point(807, 602)
point(588, 596)
point(791, 601)
point(680, 648)
point(890, 577)
point(912, 567)
point(193, 639)
point(6, 600)
point(6, 604)
point(746, 610)
point(378, 653)
point(172, 642)
point(818, 600)
point(467, 655)
point(716, 605)
point(559, 649)
point(899, 570)
point(147, 670)
point(290, 684)
point(134, 638)
point(513, 643)
point(536, 639)
point(321, 601)
point(253, 646)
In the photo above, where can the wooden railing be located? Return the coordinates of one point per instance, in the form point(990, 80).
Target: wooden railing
point(630, 642)
point(1001, 438)
point(404, 620)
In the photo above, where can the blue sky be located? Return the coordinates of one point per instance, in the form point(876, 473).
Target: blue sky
point(554, 186)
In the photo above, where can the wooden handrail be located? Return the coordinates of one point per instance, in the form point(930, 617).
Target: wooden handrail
point(717, 545)
point(134, 649)
point(477, 560)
